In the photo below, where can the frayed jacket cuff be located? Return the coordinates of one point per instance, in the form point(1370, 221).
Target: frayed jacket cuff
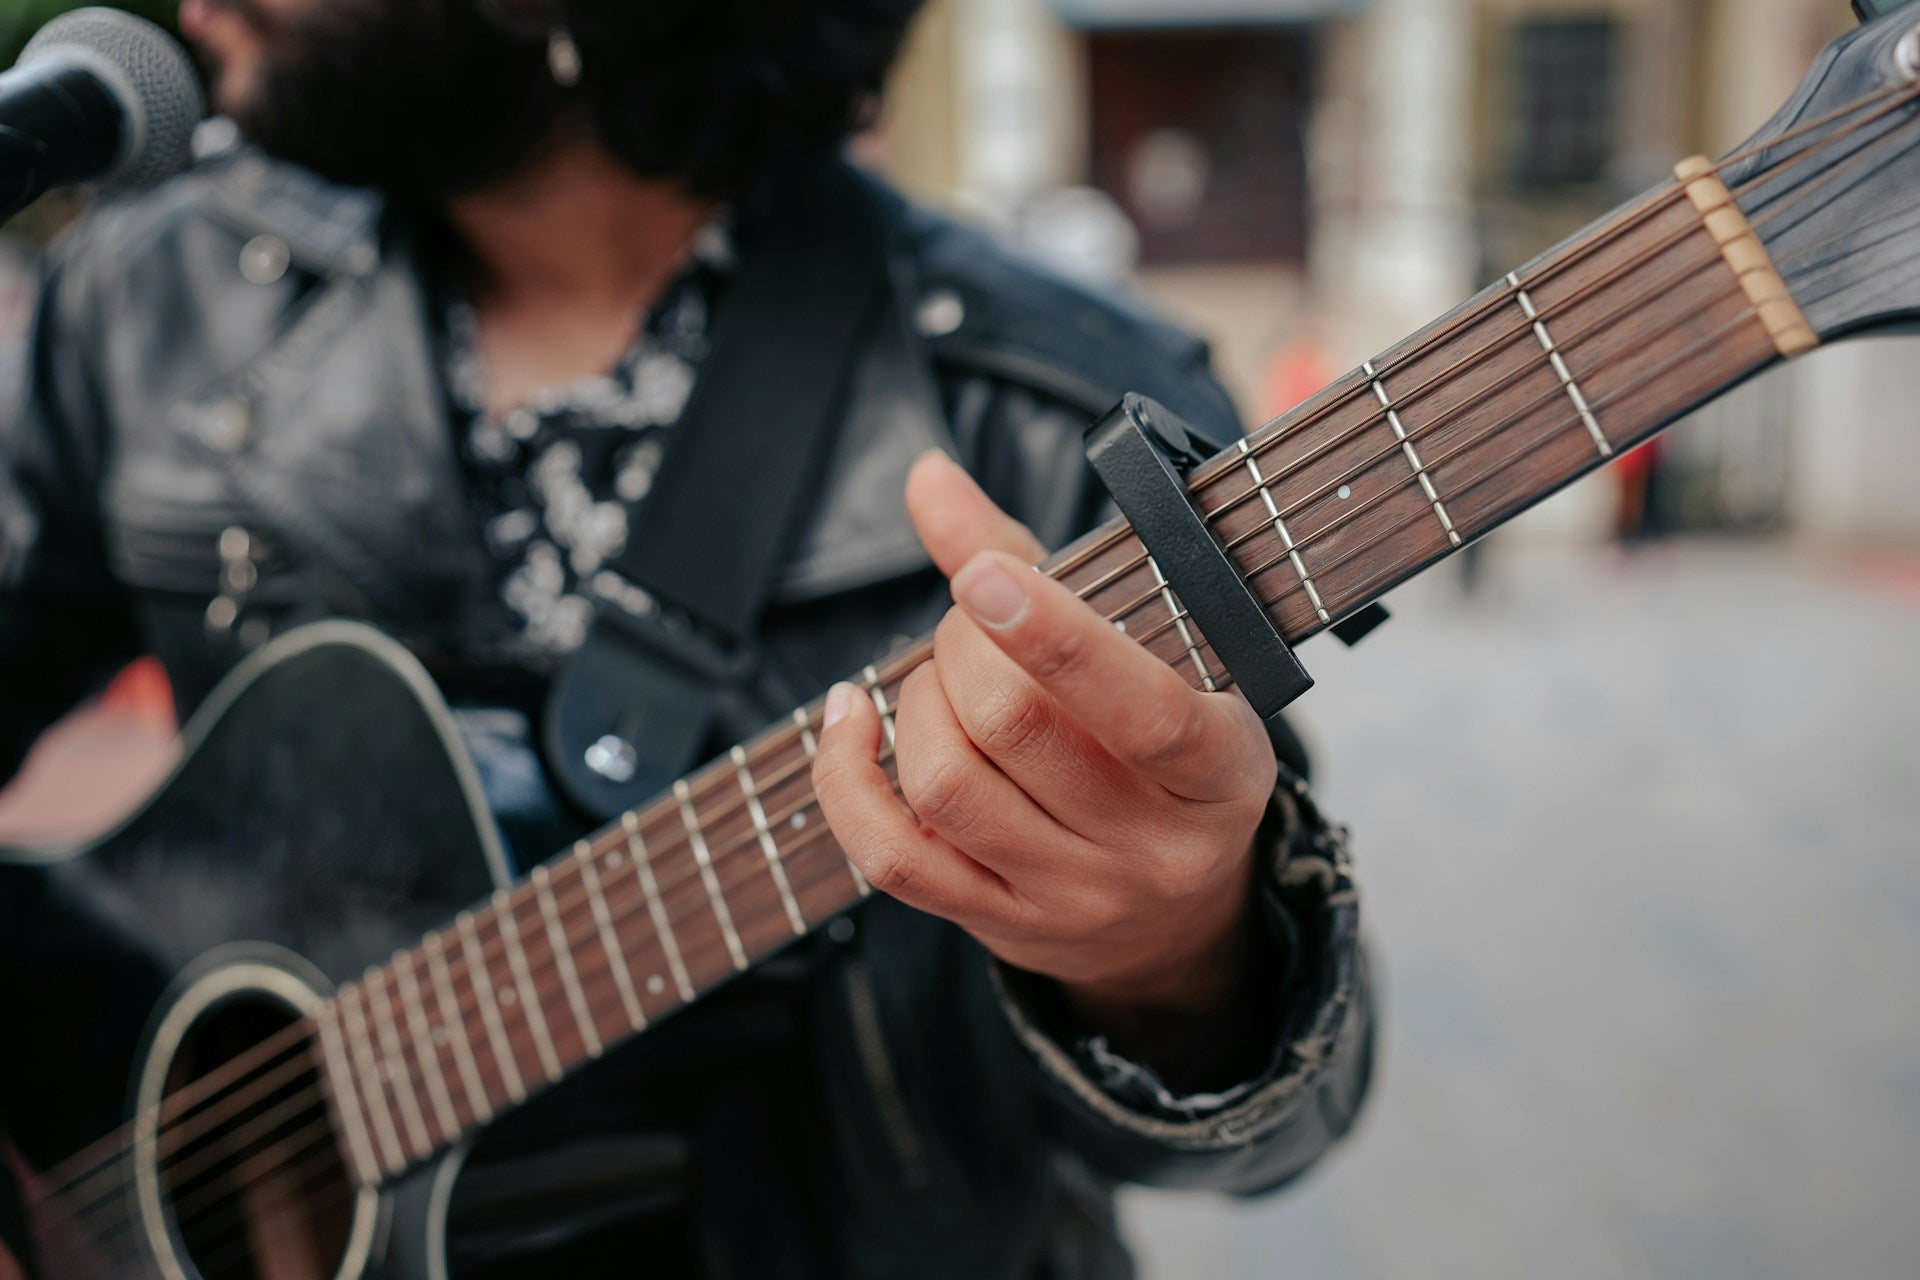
point(1276, 1121)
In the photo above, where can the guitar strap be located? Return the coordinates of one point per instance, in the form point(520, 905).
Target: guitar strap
point(639, 699)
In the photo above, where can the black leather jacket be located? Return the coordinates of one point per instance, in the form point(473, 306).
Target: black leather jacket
point(234, 423)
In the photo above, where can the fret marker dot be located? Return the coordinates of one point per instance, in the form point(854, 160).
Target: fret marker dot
point(799, 821)
point(656, 984)
point(508, 995)
point(1344, 492)
point(613, 859)
point(1120, 625)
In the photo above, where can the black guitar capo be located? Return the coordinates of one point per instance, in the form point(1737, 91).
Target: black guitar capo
point(1142, 452)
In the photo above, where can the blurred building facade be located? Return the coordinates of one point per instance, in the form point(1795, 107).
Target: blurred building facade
point(1306, 181)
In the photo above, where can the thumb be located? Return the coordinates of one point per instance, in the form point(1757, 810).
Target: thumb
point(956, 520)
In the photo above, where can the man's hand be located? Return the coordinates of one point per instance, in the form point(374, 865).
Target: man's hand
point(1071, 801)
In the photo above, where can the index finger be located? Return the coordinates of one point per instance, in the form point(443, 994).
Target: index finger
point(1199, 745)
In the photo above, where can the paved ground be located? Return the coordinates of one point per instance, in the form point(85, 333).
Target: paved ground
point(1642, 847)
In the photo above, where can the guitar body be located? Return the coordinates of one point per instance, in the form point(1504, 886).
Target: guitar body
point(324, 816)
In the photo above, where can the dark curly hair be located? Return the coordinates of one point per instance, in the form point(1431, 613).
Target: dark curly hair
point(709, 91)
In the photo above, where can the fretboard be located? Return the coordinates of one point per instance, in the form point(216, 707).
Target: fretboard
point(1537, 380)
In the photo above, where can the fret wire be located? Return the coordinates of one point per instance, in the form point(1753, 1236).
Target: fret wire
point(425, 1051)
point(563, 960)
point(804, 719)
point(1559, 367)
point(871, 678)
point(393, 1157)
point(344, 1093)
point(531, 1012)
point(1280, 527)
point(698, 842)
point(1413, 456)
point(663, 926)
point(1173, 607)
point(394, 1067)
point(609, 940)
point(481, 980)
point(454, 1020)
point(775, 867)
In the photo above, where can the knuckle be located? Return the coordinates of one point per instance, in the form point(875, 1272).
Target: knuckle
point(1013, 722)
point(888, 868)
point(1173, 735)
point(1107, 909)
point(1188, 873)
point(1062, 655)
point(941, 793)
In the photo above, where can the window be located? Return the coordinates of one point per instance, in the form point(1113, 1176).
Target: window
point(1564, 102)
point(1199, 136)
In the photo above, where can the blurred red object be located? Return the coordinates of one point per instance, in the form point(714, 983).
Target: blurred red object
point(142, 692)
point(95, 767)
point(1295, 372)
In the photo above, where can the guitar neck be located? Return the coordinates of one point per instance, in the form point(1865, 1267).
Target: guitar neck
point(1538, 379)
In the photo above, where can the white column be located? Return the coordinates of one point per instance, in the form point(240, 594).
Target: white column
point(1019, 97)
point(1403, 251)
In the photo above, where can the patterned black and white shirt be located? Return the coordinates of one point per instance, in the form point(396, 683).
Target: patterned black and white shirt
point(553, 480)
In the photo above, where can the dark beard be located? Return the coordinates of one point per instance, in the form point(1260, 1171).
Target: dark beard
point(424, 99)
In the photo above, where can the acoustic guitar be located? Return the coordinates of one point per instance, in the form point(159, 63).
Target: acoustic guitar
point(339, 987)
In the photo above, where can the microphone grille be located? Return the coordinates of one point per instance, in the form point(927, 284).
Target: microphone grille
point(151, 75)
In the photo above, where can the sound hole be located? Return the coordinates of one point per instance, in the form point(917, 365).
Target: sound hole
point(248, 1167)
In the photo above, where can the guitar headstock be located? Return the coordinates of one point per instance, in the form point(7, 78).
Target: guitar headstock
point(1831, 183)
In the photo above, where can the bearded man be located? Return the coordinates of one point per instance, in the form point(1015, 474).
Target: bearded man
point(415, 353)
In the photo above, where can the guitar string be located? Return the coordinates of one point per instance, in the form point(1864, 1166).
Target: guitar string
point(1163, 626)
point(1768, 208)
point(1851, 235)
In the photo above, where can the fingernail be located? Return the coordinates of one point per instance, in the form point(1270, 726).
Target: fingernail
point(839, 702)
point(990, 594)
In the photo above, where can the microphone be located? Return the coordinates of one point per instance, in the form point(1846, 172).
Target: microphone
point(98, 96)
